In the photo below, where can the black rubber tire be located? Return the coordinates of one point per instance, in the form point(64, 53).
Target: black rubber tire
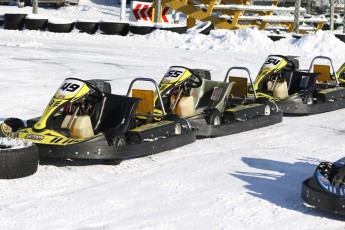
point(308, 99)
point(141, 30)
point(179, 30)
point(215, 117)
point(14, 21)
point(276, 37)
point(18, 162)
point(87, 27)
point(36, 24)
point(203, 28)
point(341, 37)
point(114, 28)
point(60, 28)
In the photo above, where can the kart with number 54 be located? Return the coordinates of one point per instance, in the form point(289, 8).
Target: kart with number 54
point(300, 92)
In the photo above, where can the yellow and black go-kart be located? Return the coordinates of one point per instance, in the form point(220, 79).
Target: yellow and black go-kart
point(84, 120)
point(325, 190)
point(215, 108)
point(300, 92)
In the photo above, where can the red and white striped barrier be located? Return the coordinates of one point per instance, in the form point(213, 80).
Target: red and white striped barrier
point(142, 12)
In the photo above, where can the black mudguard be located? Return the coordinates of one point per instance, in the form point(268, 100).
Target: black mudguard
point(98, 148)
point(205, 130)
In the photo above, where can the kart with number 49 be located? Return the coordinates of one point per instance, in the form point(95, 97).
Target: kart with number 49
point(84, 120)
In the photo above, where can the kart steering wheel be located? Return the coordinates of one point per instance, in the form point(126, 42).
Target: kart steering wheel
point(194, 83)
point(98, 93)
point(292, 64)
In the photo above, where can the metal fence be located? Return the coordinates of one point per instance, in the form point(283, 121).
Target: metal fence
point(130, 10)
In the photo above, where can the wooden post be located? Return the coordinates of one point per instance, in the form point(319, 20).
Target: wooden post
point(157, 11)
point(344, 19)
point(123, 10)
point(35, 6)
point(296, 17)
point(331, 23)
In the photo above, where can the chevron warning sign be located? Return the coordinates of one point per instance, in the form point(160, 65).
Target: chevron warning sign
point(142, 12)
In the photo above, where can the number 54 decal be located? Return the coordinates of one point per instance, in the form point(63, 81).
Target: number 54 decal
point(272, 61)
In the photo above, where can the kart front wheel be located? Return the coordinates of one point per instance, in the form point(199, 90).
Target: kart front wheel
point(308, 99)
point(215, 117)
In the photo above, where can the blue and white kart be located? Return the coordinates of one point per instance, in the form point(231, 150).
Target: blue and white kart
point(325, 190)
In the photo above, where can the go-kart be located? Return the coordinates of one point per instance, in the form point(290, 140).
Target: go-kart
point(84, 120)
point(215, 108)
point(325, 190)
point(300, 92)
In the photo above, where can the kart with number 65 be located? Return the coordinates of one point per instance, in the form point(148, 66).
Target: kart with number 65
point(215, 108)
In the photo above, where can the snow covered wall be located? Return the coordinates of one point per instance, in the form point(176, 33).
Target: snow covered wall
point(250, 180)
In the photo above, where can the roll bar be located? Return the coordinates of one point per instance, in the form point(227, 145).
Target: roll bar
point(154, 83)
point(240, 68)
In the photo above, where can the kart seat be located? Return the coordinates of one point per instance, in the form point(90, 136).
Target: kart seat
point(301, 81)
point(203, 94)
point(112, 111)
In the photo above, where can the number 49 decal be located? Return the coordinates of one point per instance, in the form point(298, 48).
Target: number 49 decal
point(69, 87)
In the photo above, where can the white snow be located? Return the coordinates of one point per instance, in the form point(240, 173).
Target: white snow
point(250, 180)
point(13, 143)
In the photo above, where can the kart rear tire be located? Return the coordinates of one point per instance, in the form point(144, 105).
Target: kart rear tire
point(18, 162)
point(215, 118)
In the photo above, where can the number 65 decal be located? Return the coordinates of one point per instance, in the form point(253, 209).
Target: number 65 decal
point(173, 73)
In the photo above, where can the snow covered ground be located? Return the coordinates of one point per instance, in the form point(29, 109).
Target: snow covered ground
point(249, 180)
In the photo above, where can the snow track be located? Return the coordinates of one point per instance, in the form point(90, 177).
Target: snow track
point(249, 180)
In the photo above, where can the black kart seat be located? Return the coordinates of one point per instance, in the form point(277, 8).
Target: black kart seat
point(112, 111)
point(301, 81)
